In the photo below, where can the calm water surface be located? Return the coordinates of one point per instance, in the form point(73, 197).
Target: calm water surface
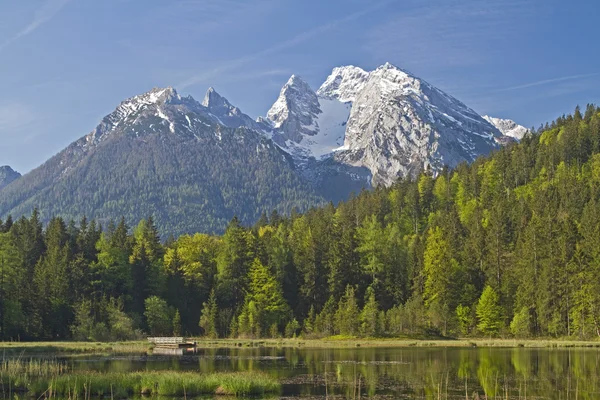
point(403, 373)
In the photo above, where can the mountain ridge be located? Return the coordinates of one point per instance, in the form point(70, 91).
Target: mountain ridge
point(7, 176)
point(194, 165)
point(422, 126)
point(164, 155)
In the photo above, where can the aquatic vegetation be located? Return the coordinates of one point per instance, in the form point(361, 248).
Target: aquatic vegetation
point(44, 377)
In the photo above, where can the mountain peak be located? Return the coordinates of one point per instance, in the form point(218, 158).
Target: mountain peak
point(157, 96)
point(7, 175)
point(296, 81)
point(390, 69)
point(212, 99)
point(295, 109)
point(343, 83)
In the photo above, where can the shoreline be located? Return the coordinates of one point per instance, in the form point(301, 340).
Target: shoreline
point(138, 347)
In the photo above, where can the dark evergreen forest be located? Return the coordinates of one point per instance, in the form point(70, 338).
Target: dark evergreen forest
point(509, 245)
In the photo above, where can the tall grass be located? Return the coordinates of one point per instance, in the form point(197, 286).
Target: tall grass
point(132, 347)
point(40, 377)
point(167, 383)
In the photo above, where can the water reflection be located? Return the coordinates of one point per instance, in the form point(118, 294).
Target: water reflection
point(424, 373)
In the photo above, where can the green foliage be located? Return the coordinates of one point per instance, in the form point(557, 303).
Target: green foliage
point(177, 324)
point(520, 325)
point(265, 306)
point(370, 323)
point(208, 318)
point(292, 328)
point(158, 316)
point(489, 312)
point(117, 326)
point(347, 315)
point(465, 319)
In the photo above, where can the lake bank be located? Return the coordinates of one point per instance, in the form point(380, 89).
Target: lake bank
point(143, 347)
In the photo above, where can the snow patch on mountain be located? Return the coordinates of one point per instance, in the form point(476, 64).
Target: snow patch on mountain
point(508, 127)
point(306, 125)
point(329, 127)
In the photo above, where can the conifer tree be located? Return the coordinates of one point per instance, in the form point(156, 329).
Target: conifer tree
point(208, 318)
point(369, 316)
point(177, 324)
point(347, 315)
point(489, 312)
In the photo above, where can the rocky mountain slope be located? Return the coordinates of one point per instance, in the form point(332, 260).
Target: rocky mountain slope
point(169, 156)
point(387, 121)
point(7, 175)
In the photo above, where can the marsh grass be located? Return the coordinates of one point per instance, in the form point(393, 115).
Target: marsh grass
point(167, 383)
point(40, 377)
point(18, 348)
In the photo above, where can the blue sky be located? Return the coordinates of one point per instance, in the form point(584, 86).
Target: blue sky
point(67, 63)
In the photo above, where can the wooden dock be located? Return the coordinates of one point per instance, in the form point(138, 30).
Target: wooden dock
point(172, 345)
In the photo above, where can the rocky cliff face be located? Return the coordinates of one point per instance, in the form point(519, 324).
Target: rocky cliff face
point(387, 121)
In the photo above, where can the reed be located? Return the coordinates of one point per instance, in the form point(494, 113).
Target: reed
point(40, 377)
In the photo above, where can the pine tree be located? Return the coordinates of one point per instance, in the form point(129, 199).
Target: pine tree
point(233, 264)
point(347, 315)
point(439, 269)
point(489, 312)
point(309, 322)
point(177, 324)
point(325, 321)
point(266, 295)
point(369, 316)
point(520, 324)
point(208, 318)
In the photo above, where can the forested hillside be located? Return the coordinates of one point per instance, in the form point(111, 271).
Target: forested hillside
point(188, 171)
point(509, 245)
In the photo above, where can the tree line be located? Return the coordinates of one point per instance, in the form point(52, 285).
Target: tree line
point(509, 245)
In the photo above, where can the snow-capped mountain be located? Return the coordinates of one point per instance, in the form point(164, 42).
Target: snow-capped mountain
point(400, 124)
point(387, 120)
point(7, 175)
point(192, 166)
point(305, 125)
point(508, 127)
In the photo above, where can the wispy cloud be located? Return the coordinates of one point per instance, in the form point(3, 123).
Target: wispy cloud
point(13, 116)
point(548, 81)
point(205, 17)
point(434, 35)
point(43, 14)
point(289, 43)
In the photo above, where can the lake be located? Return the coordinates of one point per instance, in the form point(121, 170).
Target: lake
point(405, 373)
